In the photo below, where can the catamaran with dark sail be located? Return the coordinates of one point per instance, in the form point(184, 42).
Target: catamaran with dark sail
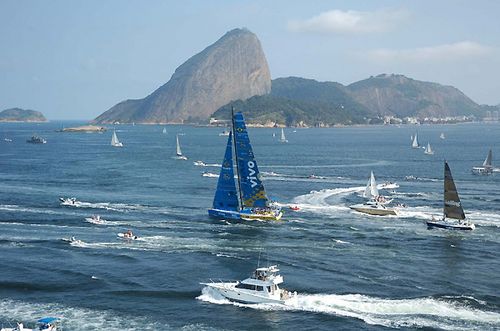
point(248, 199)
point(453, 213)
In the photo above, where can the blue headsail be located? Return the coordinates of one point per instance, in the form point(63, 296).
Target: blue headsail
point(253, 193)
point(226, 196)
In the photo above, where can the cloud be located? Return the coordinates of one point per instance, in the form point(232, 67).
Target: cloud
point(350, 22)
point(446, 52)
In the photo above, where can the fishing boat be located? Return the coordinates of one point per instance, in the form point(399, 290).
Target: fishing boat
point(414, 143)
point(178, 152)
point(283, 138)
point(263, 286)
point(36, 140)
point(486, 168)
point(442, 135)
point(376, 205)
point(453, 213)
point(114, 140)
point(44, 324)
point(249, 201)
point(428, 150)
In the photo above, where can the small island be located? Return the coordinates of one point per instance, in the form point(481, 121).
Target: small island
point(21, 115)
point(84, 128)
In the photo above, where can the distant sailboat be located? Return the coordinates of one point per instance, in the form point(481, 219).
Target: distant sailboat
point(415, 143)
point(247, 200)
point(428, 150)
point(283, 138)
point(442, 135)
point(376, 203)
point(453, 213)
point(487, 168)
point(114, 140)
point(178, 150)
point(164, 130)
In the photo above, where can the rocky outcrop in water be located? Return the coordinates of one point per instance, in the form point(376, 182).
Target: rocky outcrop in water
point(233, 68)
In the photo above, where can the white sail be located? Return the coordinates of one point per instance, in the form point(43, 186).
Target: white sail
point(487, 161)
point(371, 190)
point(283, 138)
point(428, 149)
point(164, 130)
point(442, 135)
point(114, 140)
point(415, 144)
point(178, 152)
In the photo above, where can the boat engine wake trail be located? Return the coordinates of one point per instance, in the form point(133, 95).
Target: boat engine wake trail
point(448, 313)
point(316, 201)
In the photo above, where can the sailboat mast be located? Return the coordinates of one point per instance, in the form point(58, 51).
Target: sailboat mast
point(236, 158)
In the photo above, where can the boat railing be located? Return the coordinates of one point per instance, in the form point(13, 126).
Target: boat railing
point(223, 281)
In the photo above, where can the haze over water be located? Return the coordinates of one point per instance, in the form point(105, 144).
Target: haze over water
point(351, 271)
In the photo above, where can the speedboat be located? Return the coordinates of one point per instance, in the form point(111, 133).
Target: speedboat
point(96, 219)
point(128, 235)
point(44, 324)
point(373, 207)
point(388, 186)
point(68, 201)
point(199, 163)
point(261, 287)
point(224, 133)
point(209, 174)
point(36, 140)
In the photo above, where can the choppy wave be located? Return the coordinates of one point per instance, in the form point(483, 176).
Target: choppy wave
point(448, 313)
point(74, 318)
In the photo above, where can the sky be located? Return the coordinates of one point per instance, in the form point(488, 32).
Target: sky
point(76, 59)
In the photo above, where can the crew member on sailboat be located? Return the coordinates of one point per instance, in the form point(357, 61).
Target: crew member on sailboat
point(249, 201)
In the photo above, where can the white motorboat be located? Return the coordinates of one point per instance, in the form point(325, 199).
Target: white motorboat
point(114, 140)
point(44, 324)
point(224, 133)
point(68, 201)
point(388, 186)
point(95, 219)
point(199, 163)
point(261, 287)
point(373, 207)
point(178, 152)
point(128, 235)
point(453, 213)
point(209, 174)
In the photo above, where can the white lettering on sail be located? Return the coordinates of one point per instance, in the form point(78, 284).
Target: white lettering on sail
point(452, 203)
point(251, 174)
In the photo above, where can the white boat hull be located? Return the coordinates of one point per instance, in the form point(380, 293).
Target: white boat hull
point(380, 211)
point(231, 293)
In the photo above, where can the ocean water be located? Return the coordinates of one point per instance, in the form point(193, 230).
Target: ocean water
point(352, 271)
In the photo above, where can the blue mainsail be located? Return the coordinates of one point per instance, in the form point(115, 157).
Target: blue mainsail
point(252, 192)
point(226, 196)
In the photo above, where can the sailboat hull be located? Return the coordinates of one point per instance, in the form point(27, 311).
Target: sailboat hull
point(244, 216)
point(442, 224)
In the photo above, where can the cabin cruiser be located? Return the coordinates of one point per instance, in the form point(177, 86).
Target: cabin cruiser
point(36, 140)
point(261, 287)
point(68, 201)
point(374, 207)
point(44, 324)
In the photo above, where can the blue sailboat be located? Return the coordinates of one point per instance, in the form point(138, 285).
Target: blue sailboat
point(247, 200)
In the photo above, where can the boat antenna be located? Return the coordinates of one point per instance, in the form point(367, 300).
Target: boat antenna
point(258, 260)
